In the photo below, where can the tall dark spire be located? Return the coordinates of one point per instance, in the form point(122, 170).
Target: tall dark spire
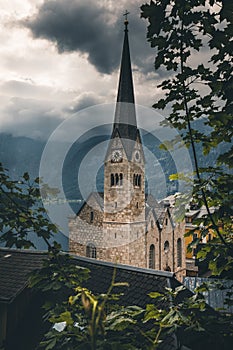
point(125, 89)
point(125, 115)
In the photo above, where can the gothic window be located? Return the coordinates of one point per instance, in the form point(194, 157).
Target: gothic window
point(91, 216)
point(179, 252)
point(112, 180)
point(91, 251)
point(121, 179)
point(139, 180)
point(166, 246)
point(116, 179)
point(152, 257)
point(137, 205)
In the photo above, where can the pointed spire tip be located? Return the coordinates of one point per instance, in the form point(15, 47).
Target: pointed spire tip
point(126, 22)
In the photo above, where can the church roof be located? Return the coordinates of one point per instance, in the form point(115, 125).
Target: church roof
point(99, 198)
point(125, 89)
point(125, 115)
point(158, 210)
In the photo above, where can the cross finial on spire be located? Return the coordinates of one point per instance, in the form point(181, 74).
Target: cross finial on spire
point(126, 18)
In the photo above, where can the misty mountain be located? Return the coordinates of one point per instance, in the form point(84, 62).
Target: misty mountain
point(23, 154)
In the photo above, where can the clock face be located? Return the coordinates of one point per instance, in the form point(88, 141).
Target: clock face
point(116, 156)
point(137, 156)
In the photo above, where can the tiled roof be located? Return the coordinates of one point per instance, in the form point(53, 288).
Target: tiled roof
point(15, 266)
point(156, 208)
point(141, 281)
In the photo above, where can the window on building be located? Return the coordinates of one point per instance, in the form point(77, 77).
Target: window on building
point(91, 251)
point(116, 179)
point(166, 221)
point(166, 246)
point(137, 205)
point(152, 224)
point(139, 180)
point(194, 236)
point(91, 216)
point(112, 182)
point(115, 205)
point(152, 257)
point(121, 179)
point(188, 219)
point(179, 252)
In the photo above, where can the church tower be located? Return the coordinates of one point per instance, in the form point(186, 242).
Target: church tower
point(124, 174)
point(123, 224)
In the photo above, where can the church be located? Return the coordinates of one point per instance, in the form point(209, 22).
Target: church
point(124, 224)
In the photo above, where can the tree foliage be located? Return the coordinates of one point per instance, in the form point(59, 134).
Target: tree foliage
point(193, 41)
point(22, 214)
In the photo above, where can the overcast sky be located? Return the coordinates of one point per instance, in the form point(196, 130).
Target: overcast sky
point(59, 56)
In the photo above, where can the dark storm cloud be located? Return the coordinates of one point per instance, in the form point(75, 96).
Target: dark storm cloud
point(79, 26)
point(93, 30)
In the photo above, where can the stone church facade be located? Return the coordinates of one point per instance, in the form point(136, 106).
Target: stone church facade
point(124, 224)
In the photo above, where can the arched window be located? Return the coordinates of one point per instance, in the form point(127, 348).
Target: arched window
point(116, 179)
point(179, 252)
point(121, 179)
point(91, 251)
point(91, 216)
point(166, 246)
point(134, 180)
point(139, 180)
point(112, 180)
point(152, 257)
